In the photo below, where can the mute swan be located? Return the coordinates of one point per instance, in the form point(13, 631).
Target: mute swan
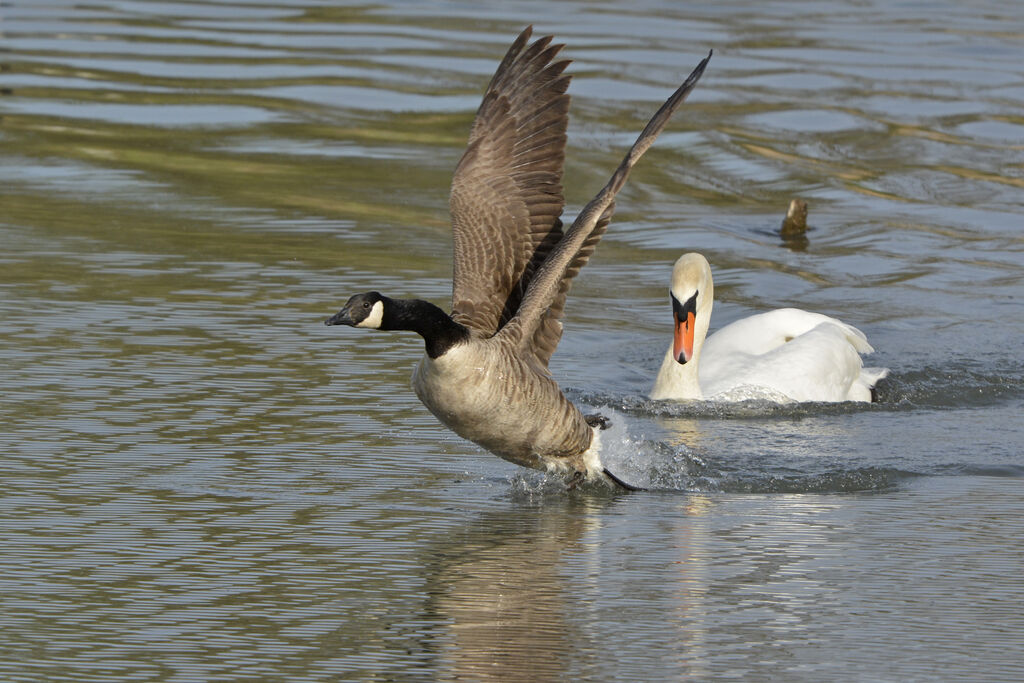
point(485, 373)
point(783, 355)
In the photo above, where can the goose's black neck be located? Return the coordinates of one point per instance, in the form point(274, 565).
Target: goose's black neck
point(436, 327)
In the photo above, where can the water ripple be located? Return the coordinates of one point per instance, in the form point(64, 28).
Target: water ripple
point(202, 481)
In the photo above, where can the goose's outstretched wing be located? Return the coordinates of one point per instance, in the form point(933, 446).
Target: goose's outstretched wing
point(531, 328)
point(506, 195)
point(549, 330)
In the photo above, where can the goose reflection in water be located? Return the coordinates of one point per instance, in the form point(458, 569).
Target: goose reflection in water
point(512, 586)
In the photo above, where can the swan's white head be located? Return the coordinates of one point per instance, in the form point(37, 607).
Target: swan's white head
point(693, 294)
point(362, 310)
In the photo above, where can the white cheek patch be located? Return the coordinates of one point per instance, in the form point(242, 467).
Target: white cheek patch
point(373, 320)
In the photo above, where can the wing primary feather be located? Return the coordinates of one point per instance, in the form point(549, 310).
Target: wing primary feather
point(510, 56)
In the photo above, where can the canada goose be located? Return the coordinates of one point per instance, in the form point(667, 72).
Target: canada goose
point(485, 373)
point(782, 355)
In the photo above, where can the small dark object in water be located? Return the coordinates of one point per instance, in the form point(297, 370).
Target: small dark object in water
point(795, 222)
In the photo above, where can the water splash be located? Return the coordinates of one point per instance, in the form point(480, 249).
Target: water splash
point(759, 446)
point(660, 465)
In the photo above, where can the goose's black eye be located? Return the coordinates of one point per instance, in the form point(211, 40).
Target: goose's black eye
point(366, 304)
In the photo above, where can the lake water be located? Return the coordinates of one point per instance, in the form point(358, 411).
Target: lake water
point(203, 482)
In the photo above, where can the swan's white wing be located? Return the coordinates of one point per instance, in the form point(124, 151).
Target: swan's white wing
point(764, 332)
point(820, 364)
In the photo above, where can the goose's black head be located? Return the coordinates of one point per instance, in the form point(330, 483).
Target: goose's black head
point(374, 311)
point(362, 310)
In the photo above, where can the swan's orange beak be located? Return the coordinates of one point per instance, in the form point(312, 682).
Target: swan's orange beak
point(685, 316)
point(682, 346)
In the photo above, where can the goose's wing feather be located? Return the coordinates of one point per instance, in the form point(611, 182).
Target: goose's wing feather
point(549, 331)
point(549, 286)
point(801, 355)
point(506, 195)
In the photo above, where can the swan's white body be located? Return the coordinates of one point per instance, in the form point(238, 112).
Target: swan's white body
point(783, 355)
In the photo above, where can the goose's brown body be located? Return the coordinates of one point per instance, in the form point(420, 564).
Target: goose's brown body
point(485, 393)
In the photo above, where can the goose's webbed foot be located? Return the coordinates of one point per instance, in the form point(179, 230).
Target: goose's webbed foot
point(598, 420)
point(575, 480)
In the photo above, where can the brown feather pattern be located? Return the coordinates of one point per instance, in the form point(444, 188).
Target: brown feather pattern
point(506, 196)
point(549, 280)
point(513, 263)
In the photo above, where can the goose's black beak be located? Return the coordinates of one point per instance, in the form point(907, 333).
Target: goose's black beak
point(342, 317)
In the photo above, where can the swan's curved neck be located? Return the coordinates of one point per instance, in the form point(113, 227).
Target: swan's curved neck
point(436, 327)
point(679, 381)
